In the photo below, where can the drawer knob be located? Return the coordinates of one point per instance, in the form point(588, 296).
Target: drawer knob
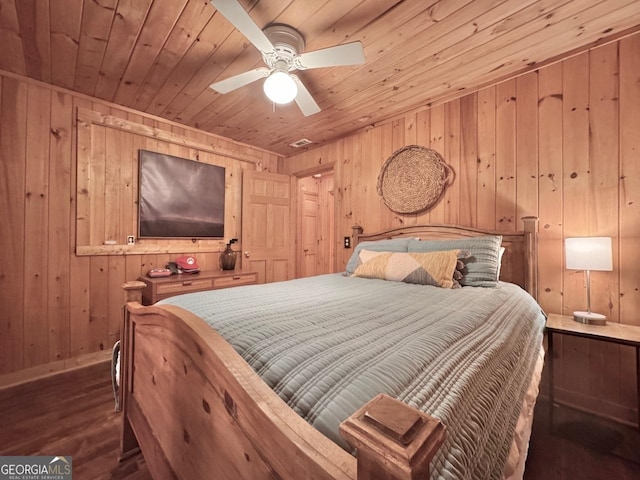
point(186, 283)
point(236, 277)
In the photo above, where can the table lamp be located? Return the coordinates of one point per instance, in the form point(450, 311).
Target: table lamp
point(589, 253)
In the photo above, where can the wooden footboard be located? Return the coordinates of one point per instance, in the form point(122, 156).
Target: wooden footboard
point(197, 410)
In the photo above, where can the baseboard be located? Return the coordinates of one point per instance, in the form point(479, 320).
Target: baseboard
point(43, 371)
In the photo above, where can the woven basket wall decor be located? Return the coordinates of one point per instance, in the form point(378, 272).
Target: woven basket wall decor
point(413, 179)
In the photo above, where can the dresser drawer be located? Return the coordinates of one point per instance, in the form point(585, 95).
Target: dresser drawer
point(235, 280)
point(160, 288)
point(186, 285)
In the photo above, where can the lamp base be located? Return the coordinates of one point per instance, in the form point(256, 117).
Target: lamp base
point(590, 318)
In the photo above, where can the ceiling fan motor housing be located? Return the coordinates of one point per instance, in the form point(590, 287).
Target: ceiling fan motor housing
point(288, 43)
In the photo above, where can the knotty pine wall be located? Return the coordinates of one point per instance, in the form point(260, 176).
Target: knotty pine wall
point(562, 143)
point(56, 305)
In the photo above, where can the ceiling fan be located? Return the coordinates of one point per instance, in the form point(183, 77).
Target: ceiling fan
point(282, 48)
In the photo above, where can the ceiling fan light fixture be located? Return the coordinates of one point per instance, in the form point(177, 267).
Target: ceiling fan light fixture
point(282, 48)
point(280, 88)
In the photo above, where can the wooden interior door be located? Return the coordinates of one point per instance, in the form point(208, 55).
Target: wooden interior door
point(315, 250)
point(309, 234)
point(327, 229)
point(267, 238)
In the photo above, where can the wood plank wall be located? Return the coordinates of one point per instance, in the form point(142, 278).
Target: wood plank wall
point(56, 305)
point(562, 143)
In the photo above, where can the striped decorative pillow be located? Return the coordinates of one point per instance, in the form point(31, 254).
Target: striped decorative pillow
point(431, 268)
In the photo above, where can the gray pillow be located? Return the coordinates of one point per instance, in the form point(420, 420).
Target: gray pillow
point(390, 245)
point(481, 266)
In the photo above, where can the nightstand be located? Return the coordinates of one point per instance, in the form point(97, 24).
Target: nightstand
point(611, 332)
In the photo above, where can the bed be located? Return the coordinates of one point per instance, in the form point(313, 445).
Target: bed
point(342, 376)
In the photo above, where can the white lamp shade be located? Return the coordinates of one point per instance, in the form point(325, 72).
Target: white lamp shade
point(280, 88)
point(588, 253)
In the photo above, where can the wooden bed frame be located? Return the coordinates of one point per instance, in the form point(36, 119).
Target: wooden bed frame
point(197, 410)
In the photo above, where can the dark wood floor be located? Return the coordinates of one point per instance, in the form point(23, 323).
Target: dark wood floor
point(580, 446)
point(72, 414)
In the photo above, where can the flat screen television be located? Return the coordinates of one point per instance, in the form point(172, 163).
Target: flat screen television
point(179, 198)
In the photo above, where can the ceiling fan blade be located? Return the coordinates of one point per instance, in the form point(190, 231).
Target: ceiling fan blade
point(239, 18)
point(347, 54)
point(304, 99)
point(229, 84)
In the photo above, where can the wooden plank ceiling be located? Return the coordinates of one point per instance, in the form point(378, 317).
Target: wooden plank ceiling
point(159, 56)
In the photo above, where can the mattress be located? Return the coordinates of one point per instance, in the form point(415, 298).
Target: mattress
point(328, 344)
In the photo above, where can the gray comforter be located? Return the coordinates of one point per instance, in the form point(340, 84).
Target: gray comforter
point(330, 343)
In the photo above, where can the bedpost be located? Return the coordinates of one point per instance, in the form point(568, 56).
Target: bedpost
point(128, 442)
point(356, 232)
point(394, 441)
point(133, 291)
point(531, 260)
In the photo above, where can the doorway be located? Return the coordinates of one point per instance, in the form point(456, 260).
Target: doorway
point(315, 248)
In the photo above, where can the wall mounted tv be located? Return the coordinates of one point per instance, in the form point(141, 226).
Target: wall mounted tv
point(179, 198)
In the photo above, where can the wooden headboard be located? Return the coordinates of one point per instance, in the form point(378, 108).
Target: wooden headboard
point(520, 259)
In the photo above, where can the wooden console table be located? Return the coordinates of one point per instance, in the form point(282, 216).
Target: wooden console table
point(159, 288)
